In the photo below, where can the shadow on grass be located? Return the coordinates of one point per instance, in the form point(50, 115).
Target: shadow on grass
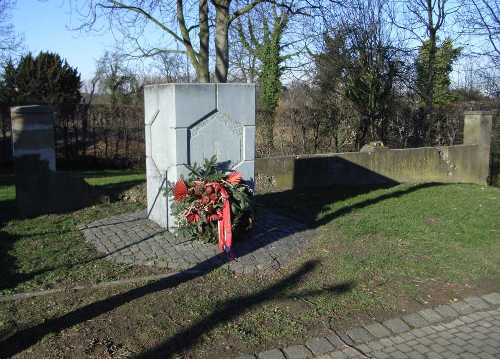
point(232, 309)
point(306, 205)
point(25, 338)
point(11, 276)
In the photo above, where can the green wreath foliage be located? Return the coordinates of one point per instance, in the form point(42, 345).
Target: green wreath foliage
point(196, 216)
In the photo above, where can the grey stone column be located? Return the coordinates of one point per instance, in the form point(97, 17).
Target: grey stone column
point(478, 131)
point(33, 133)
point(187, 123)
point(34, 158)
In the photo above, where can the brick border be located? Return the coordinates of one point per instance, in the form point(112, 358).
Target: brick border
point(356, 340)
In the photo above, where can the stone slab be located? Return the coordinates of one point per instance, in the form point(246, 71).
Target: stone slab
point(297, 352)
point(319, 346)
point(134, 239)
point(271, 354)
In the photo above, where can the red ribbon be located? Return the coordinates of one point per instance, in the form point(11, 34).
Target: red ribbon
point(224, 224)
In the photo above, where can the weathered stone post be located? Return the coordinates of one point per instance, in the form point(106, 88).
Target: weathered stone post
point(187, 123)
point(40, 189)
point(33, 133)
point(478, 131)
point(34, 157)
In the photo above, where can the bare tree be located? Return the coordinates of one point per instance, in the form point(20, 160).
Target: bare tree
point(10, 41)
point(177, 21)
point(482, 19)
point(425, 20)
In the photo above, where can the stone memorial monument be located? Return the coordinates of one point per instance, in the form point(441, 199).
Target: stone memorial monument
point(33, 133)
point(187, 123)
point(40, 189)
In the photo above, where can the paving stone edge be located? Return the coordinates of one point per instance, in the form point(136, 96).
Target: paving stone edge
point(372, 331)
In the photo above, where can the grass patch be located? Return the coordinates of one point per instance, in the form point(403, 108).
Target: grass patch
point(7, 188)
point(377, 252)
point(405, 234)
point(110, 177)
point(49, 251)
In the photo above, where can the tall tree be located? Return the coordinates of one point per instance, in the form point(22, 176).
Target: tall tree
point(266, 46)
point(10, 41)
point(445, 56)
point(176, 23)
point(116, 81)
point(425, 20)
point(481, 18)
point(44, 79)
point(360, 63)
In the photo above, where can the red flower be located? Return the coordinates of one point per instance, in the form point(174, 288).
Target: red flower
point(213, 217)
point(193, 217)
point(198, 188)
point(234, 177)
point(205, 199)
point(213, 198)
point(180, 190)
point(215, 187)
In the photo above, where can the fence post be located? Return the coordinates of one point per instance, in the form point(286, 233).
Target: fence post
point(478, 131)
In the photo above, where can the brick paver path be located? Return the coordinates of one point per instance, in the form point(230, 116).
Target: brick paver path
point(132, 238)
point(462, 330)
point(475, 335)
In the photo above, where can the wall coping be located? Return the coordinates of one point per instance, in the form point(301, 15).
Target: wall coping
point(333, 154)
point(476, 112)
point(200, 84)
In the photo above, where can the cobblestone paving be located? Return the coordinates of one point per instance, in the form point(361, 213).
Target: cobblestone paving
point(463, 330)
point(132, 238)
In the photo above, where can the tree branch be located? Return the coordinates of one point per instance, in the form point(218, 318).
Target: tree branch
point(120, 6)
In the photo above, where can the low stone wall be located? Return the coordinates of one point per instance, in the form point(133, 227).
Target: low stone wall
point(467, 163)
point(387, 166)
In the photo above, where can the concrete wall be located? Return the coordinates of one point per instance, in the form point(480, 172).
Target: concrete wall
point(187, 123)
point(467, 163)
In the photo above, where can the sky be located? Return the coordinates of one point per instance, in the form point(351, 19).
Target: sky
point(46, 26)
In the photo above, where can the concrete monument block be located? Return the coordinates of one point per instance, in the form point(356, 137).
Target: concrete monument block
point(33, 133)
point(478, 127)
point(187, 123)
point(40, 189)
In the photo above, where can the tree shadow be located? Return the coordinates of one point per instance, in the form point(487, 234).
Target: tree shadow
point(237, 306)
point(291, 203)
point(282, 201)
point(8, 266)
point(11, 276)
point(306, 205)
point(40, 190)
point(25, 338)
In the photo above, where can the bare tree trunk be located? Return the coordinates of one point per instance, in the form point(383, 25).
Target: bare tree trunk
point(94, 136)
point(199, 60)
point(204, 37)
point(429, 96)
point(221, 40)
point(127, 141)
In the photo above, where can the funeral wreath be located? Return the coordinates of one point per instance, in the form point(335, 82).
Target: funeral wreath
point(212, 204)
